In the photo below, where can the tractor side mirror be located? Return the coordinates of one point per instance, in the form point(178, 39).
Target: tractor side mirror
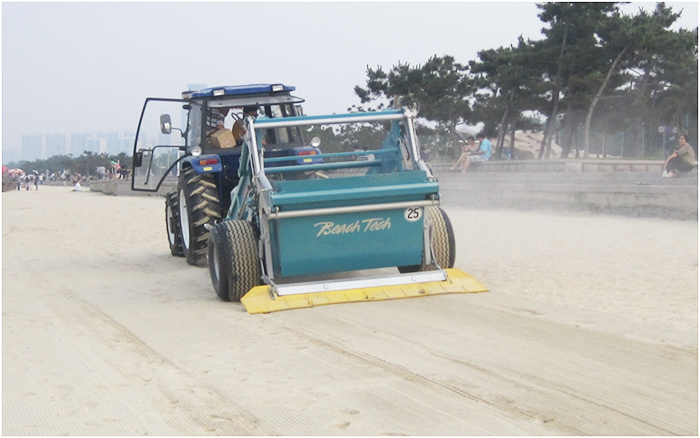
point(138, 159)
point(165, 125)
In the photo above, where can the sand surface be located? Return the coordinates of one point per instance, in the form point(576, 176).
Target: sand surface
point(590, 328)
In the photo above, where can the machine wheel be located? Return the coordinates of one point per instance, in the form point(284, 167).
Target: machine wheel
point(443, 237)
point(198, 205)
point(442, 240)
point(233, 259)
point(172, 224)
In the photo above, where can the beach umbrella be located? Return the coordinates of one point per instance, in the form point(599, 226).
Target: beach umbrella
point(4, 169)
point(16, 171)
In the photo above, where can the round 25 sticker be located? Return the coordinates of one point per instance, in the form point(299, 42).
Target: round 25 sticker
point(413, 214)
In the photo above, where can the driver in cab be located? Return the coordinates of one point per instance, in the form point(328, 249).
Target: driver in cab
point(215, 119)
point(238, 128)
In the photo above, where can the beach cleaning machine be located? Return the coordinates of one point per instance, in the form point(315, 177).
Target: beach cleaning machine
point(332, 221)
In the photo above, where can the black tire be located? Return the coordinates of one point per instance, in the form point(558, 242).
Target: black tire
point(172, 225)
point(233, 259)
point(198, 204)
point(442, 241)
point(443, 238)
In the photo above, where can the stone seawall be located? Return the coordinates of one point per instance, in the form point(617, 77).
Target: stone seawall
point(120, 187)
point(559, 165)
point(631, 194)
point(633, 188)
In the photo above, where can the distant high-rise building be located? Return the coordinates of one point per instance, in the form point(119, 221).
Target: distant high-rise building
point(96, 145)
point(32, 147)
point(43, 146)
point(118, 142)
point(56, 144)
point(78, 144)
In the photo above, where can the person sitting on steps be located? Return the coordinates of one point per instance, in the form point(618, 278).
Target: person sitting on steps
point(482, 154)
point(682, 160)
point(467, 150)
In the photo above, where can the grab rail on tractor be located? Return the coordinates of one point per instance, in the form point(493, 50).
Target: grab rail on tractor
point(265, 123)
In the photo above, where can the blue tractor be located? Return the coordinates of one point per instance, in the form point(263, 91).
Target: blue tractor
point(201, 157)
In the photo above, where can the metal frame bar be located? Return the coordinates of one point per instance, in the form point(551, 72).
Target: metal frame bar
point(412, 138)
point(331, 155)
point(329, 120)
point(351, 209)
point(346, 284)
point(322, 166)
point(262, 185)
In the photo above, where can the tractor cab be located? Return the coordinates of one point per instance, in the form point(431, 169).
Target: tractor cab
point(198, 130)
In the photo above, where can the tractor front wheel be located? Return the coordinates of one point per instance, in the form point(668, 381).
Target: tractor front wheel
point(233, 259)
point(172, 225)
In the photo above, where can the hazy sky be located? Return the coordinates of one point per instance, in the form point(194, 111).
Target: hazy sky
point(87, 67)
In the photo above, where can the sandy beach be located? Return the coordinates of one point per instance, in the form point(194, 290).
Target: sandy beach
point(590, 328)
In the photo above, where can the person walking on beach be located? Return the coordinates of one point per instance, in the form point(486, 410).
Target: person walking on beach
point(682, 160)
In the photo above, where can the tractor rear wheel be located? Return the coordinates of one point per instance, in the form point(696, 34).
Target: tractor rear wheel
point(442, 241)
point(198, 204)
point(172, 224)
point(233, 259)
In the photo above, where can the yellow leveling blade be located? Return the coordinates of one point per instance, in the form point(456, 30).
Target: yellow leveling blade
point(260, 300)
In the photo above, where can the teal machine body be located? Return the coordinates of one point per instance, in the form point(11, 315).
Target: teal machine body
point(344, 211)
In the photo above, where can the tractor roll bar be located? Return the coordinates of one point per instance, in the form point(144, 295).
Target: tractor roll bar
point(328, 120)
point(379, 116)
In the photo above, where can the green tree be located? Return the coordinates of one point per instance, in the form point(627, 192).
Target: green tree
point(85, 164)
point(440, 89)
point(670, 81)
point(631, 42)
point(569, 37)
point(510, 81)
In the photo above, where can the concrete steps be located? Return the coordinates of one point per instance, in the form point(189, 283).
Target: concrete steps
point(622, 191)
point(562, 165)
point(627, 193)
point(633, 178)
point(121, 187)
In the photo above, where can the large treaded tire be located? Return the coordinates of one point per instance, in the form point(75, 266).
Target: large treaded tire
point(442, 241)
point(198, 204)
point(443, 237)
point(172, 225)
point(233, 259)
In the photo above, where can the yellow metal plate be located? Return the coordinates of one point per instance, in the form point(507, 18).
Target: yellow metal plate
point(261, 300)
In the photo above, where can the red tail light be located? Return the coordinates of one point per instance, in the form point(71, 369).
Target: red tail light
point(307, 153)
point(208, 161)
